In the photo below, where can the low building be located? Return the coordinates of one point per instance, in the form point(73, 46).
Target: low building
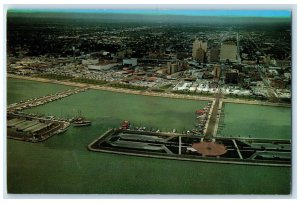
point(231, 77)
point(278, 83)
point(90, 61)
point(288, 75)
point(102, 67)
point(131, 61)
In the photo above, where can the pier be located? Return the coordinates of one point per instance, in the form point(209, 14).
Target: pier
point(33, 129)
point(266, 152)
point(213, 120)
point(43, 100)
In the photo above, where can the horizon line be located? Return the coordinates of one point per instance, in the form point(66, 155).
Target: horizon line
point(172, 12)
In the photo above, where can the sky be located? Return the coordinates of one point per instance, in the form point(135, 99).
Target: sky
point(186, 12)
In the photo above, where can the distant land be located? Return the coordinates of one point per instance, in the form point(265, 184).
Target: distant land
point(182, 12)
point(148, 16)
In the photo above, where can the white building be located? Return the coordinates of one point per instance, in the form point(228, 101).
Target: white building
point(132, 61)
point(102, 67)
point(90, 61)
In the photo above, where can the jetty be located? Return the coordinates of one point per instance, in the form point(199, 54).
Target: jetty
point(43, 100)
point(29, 128)
point(264, 152)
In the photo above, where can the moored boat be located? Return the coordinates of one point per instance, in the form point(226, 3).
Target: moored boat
point(125, 125)
point(81, 122)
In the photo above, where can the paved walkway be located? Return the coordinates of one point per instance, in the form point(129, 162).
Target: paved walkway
point(210, 132)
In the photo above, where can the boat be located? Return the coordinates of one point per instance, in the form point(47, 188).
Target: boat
point(125, 125)
point(80, 121)
point(200, 112)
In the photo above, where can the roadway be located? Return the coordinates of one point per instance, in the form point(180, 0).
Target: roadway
point(211, 128)
point(148, 93)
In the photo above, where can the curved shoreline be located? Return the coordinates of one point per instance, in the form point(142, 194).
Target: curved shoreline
point(148, 93)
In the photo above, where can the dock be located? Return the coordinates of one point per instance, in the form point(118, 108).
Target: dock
point(43, 100)
point(33, 129)
point(264, 152)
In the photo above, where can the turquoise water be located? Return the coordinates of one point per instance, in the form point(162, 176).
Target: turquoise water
point(256, 121)
point(63, 164)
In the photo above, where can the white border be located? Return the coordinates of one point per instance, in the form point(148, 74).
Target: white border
point(254, 4)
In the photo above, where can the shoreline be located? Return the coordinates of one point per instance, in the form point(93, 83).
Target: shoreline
point(112, 89)
point(147, 93)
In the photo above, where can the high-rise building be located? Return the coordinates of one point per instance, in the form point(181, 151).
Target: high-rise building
point(217, 72)
point(169, 68)
point(200, 55)
point(238, 57)
point(175, 66)
point(199, 50)
point(215, 54)
point(172, 68)
point(228, 52)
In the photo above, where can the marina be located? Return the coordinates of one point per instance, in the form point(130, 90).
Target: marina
point(111, 100)
point(266, 152)
point(262, 121)
point(23, 85)
point(33, 129)
point(42, 100)
point(71, 156)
